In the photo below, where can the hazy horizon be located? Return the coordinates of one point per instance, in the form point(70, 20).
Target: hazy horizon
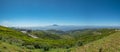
point(27, 13)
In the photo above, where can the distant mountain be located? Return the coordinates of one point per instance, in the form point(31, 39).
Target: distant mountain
point(55, 25)
point(67, 28)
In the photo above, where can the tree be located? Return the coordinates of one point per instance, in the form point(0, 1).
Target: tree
point(29, 31)
point(79, 43)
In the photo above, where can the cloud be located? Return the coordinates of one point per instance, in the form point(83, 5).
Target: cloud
point(5, 23)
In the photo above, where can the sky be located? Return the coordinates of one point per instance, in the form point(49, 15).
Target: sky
point(61, 12)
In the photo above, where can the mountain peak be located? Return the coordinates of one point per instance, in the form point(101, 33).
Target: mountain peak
point(55, 25)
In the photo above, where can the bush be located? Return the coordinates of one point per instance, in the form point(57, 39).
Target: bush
point(4, 47)
point(69, 50)
point(46, 48)
point(79, 43)
point(30, 46)
point(37, 46)
point(100, 50)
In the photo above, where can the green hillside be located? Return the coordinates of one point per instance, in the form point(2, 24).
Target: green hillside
point(5, 47)
point(106, 44)
point(16, 41)
point(10, 40)
point(16, 38)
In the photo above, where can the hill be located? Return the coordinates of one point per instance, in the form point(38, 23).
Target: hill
point(45, 42)
point(49, 40)
point(110, 43)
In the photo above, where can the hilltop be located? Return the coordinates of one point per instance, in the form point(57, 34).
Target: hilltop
point(107, 44)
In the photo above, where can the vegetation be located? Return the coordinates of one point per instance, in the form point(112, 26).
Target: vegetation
point(107, 44)
point(49, 40)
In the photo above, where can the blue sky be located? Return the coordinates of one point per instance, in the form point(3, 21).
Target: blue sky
point(61, 12)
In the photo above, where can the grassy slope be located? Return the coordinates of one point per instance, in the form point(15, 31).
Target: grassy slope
point(107, 44)
point(5, 47)
point(6, 35)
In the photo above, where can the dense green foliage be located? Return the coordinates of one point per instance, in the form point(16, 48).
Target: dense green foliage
point(51, 40)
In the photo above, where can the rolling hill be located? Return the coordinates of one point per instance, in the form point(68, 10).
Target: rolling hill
point(9, 39)
point(52, 41)
point(110, 43)
point(66, 27)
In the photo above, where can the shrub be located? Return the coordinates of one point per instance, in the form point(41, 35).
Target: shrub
point(79, 43)
point(100, 50)
point(69, 50)
point(4, 47)
point(30, 46)
point(46, 48)
point(37, 46)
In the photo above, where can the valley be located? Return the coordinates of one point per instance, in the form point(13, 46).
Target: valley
point(52, 40)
